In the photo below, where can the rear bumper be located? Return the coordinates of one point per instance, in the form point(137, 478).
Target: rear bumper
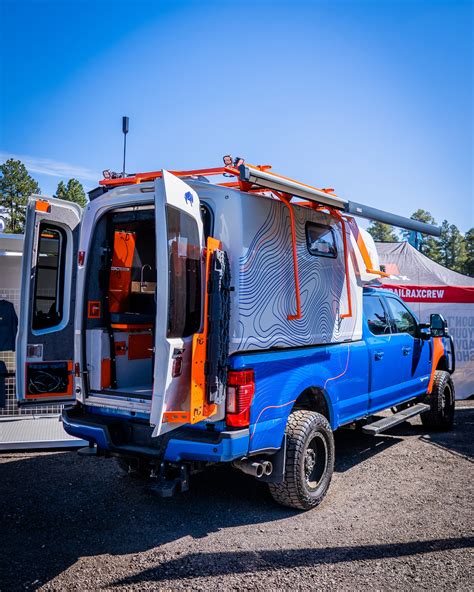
point(127, 438)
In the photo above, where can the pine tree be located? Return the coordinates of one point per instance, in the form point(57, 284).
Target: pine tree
point(430, 245)
point(16, 186)
point(469, 262)
point(73, 191)
point(452, 247)
point(382, 233)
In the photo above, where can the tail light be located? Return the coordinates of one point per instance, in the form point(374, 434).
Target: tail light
point(240, 391)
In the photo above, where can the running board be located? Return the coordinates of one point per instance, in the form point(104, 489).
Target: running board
point(389, 422)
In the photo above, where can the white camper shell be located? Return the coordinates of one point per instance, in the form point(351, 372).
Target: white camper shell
point(114, 297)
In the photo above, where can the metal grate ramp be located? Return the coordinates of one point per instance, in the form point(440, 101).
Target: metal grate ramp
point(29, 433)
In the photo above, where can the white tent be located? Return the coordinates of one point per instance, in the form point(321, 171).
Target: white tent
point(429, 287)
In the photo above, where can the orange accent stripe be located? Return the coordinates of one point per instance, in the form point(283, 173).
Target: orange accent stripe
point(198, 404)
point(286, 200)
point(176, 417)
point(438, 353)
point(337, 214)
point(131, 326)
point(105, 373)
point(363, 249)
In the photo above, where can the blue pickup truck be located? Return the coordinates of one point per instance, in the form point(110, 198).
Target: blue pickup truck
point(185, 323)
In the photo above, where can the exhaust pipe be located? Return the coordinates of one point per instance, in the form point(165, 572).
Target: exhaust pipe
point(256, 469)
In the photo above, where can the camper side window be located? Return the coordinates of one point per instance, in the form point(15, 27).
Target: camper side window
point(49, 277)
point(184, 253)
point(320, 240)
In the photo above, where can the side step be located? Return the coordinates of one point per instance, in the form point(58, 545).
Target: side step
point(388, 422)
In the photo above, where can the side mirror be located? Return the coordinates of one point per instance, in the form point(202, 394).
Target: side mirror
point(438, 325)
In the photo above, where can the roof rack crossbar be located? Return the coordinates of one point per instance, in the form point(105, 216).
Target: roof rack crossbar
point(272, 181)
point(370, 213)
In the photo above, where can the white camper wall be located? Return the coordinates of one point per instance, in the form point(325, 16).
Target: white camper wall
point(256, 233)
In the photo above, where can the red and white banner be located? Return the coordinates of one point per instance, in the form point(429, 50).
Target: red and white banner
point(453, 294)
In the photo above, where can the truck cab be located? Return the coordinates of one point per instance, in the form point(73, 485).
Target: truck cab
point(182, 322)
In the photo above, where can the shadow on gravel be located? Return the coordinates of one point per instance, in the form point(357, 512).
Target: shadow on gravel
point(458, 441)
point(219, 564)
point(58, 507)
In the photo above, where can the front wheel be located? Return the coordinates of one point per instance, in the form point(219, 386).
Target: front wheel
point(309, 461)
point(441, 402)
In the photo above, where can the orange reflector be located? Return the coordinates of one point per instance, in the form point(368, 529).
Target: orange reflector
point(41, 205)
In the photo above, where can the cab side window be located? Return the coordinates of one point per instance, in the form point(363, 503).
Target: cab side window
point(376, 315)
point(403, 320)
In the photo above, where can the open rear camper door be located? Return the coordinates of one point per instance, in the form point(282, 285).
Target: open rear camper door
point(179, 299)
point(45, 341)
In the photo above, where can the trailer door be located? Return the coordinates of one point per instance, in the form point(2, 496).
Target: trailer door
point(45, 340)
point(179, 242)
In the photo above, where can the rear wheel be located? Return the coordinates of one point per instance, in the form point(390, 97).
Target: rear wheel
point(309, 461)
point(441, 402)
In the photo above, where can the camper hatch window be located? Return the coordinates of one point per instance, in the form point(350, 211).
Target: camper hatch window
point(320, 240)
point(184, 252)
point(49, 280)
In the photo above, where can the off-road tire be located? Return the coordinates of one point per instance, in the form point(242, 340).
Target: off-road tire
point(304, 428)
point(441, 402)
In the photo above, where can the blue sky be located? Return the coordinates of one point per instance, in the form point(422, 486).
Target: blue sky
point(372, 98)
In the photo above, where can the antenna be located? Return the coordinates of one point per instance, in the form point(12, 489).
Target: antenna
point(125, 132)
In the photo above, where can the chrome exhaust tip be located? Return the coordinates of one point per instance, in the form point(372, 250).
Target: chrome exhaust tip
point(255, 469)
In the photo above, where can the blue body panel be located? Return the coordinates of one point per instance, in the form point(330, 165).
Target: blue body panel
point(224, 451)
point(338, 370)
point(356, 379)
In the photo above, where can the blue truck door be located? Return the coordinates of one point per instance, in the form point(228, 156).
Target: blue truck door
point(414, 364)
point(384, 346)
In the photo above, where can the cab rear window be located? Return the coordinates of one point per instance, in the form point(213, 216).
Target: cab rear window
point(376, 316)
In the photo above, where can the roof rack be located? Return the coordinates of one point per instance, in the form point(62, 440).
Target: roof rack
point(255, 179)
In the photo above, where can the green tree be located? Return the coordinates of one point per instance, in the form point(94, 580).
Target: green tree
point(452, 247)
point(16, 186)
point(383, 233)
point(73, 191)
point(430, 245)
point(469, 244)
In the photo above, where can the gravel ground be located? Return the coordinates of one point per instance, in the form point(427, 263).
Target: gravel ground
point(399, 515)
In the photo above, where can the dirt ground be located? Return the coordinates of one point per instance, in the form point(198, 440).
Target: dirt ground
point(398, 516)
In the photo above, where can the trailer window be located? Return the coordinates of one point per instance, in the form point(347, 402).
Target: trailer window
point(49, 277)
point(403, 320)
point(184, 252)
point(376, 315)
point(320, 240)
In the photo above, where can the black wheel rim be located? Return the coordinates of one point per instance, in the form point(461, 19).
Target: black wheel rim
point(315, 461)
